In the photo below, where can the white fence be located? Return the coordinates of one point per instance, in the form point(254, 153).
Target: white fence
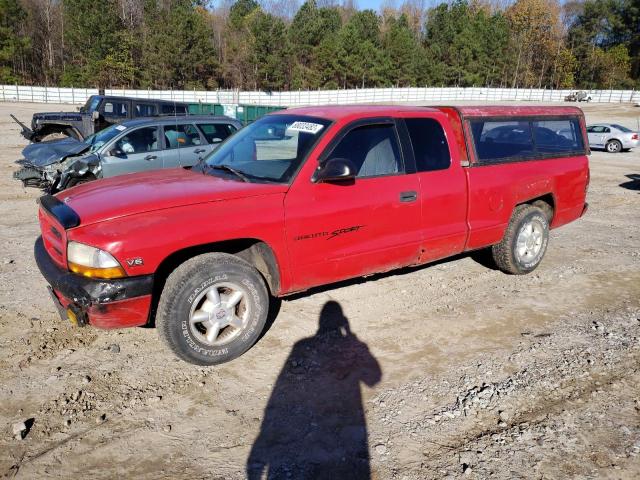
point(15, 93)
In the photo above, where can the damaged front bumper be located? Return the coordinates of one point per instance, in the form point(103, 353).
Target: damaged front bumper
point(124, 302)
point(38, 177)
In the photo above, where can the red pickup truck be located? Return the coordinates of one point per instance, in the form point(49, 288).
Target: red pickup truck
point(305, 197)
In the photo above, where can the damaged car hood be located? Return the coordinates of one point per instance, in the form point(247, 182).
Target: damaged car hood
point(143, 192)
point(46, 153)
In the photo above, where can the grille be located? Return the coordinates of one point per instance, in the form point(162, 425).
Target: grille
point(54, 238)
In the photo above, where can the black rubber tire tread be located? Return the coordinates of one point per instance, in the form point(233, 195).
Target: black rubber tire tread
point(174, 305)
point(503, 252)
point(606, 147)
point(548, 209)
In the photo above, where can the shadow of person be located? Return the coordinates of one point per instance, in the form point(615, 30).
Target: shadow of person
point(633, 183)
point(314, 424)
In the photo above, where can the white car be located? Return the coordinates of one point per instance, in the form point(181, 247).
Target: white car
point(612, 137)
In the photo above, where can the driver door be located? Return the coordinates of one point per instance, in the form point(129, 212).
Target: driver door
point(135, 151)
point(339, 230)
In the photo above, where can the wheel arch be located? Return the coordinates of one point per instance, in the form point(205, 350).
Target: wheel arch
point(253, 250)
point(546, 202)
point(50, 128)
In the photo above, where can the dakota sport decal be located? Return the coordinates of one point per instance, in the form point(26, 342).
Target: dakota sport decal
point(329, 235)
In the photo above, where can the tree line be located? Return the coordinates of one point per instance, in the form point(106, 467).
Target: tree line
point(279, 45)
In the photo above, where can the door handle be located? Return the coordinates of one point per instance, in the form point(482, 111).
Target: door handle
point(150, 157)
point(199, 150)
point(410, 196)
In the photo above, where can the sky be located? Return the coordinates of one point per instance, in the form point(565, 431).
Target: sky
point(372, 4)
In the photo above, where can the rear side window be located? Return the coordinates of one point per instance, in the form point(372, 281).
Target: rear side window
point(518, 139)
point(500, 140)
point(216, 132)
point(372, 148)
point(168, 108)
point(429, 143)
point(552, 136)
point(181, 136)
point(144, 110)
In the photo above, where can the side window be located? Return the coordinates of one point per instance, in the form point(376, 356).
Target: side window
point(429, 143)
point(606, 130)
point(181, 136)
point(171, 109)
point(139, 141)
point(373, 149)
point(216, 132)
point(115, 109)
point(501, 140)
point(144, 110)
point(597, 129)
point(557, 136)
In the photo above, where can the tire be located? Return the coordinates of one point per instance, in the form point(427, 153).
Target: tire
point(613, 146)
point(197, 317)
point(72, 133)
point(525, 241)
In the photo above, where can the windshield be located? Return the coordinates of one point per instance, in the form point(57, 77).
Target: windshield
point(91, 105)
point(271, 149)
point(621, 128)
point(99, 139)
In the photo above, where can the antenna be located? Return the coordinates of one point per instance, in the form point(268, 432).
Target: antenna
point(175, 119)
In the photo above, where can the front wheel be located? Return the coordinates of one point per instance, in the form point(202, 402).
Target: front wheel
point(212, 309)
point(524, 242)
point(613, 146)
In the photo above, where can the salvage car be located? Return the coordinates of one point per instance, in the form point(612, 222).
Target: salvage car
point(579, 96)
point(132, 146)
point(96, 114)
point(612, 137)
point(307, 197)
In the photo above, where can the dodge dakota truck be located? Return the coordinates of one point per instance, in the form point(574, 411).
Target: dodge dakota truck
point(306, 197)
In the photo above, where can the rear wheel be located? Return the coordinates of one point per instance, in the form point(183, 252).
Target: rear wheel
point(524, 242)
point(613, 146)
point(212, 309)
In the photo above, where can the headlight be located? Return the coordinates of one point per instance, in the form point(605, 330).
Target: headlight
point(92, 262)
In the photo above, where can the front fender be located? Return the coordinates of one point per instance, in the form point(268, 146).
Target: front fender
point(142, 241)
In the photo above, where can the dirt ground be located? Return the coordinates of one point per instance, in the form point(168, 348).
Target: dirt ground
point(451, 370)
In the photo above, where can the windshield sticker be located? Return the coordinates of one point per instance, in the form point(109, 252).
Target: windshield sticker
point(121, 127)
point(307, 127)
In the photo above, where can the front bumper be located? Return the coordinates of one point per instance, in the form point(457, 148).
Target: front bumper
point(32, 177)
point(117, 303)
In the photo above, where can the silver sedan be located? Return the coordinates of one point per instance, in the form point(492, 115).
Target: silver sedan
point(612, 137)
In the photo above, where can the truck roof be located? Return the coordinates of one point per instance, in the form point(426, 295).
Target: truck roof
point(338, 112)
point(171, 119)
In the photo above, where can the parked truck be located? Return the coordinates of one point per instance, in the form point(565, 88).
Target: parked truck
point(307, 197)
point(98, 113)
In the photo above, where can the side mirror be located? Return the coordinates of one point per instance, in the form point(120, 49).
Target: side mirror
point(95, 115)
point(335, 170)
point(116, 152)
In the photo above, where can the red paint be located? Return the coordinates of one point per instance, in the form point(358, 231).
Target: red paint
point(153, 215)
point(132, 312)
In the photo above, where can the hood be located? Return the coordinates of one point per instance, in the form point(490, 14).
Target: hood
point(45, 153)
point(142, 192)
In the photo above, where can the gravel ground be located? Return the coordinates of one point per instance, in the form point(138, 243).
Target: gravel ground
point(446, 371)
